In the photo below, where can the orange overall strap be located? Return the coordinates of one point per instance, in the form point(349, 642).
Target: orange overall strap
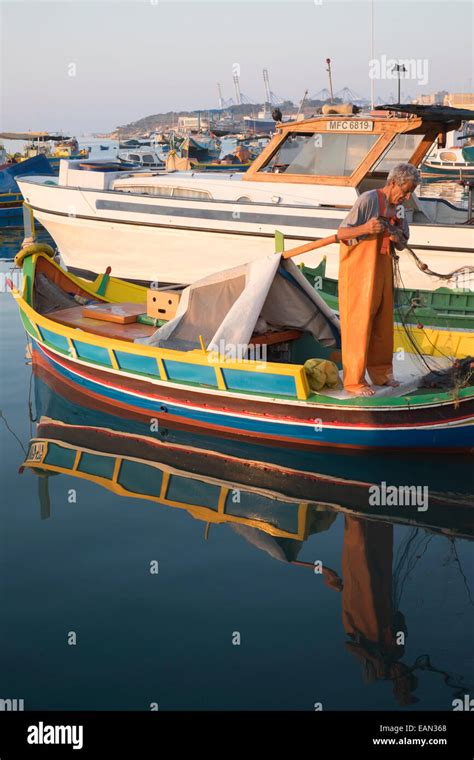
point(385, 247)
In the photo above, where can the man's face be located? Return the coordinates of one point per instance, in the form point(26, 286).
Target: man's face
point(401, 193)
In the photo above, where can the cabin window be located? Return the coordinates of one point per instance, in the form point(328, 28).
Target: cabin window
point(164, 190)
point(324, 154)
point(134, 157)
point(148, 158)
point(187, 192)
point(398, 152)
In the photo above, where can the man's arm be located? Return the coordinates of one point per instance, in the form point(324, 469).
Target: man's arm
point(372, 227)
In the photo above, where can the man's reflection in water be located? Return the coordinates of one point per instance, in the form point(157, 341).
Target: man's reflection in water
point(368, 615)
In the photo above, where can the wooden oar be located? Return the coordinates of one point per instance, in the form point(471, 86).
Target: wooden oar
point(309, 246)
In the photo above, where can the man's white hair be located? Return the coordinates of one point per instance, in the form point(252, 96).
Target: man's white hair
point(402, 173)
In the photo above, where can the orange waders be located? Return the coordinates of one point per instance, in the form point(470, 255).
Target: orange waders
point(366, 310)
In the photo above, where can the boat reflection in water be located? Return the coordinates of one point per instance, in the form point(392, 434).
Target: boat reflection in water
point(275, 499)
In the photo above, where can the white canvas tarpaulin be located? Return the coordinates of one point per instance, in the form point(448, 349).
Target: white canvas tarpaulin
point(224, 308)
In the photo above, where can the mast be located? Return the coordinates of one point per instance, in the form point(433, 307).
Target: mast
point(372, 55)
point(221, 99)
point(328, 61)
point(238, 96)
point(266, 84)
point(305, 95)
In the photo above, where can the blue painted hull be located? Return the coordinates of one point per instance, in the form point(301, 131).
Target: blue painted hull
point(193, 414)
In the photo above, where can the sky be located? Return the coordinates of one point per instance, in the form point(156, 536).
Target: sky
point(81, 66)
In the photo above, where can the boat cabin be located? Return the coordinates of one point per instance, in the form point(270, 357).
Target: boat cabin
point(351, 151)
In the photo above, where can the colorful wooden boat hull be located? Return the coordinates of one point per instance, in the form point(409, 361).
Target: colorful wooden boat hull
point(315, 425)
point(263, 401)
point(11, 206)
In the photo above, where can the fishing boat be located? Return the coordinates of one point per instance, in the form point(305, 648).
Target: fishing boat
point(53, 146)
point(182, 226)
point(231, 361)
point(140, 158)
point(200, 147)
point(263, 123)
point(443, 307)
point(449, 163)
point(132, 144)
point(11, 199)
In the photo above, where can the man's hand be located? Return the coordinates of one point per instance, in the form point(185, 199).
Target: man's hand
point(374, 226)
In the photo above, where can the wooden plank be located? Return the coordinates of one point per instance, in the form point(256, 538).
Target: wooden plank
point(73, 318)
point(121, 313)
point(270, 338)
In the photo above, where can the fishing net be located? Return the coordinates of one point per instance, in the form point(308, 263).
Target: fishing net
point(459, 373)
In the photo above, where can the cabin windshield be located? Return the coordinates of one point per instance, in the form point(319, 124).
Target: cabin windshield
point(398, 152)
point(321, 153)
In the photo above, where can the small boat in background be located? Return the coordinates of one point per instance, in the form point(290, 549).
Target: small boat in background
point(200, 147)
point(53, 147)
point(140, 157)
point(11, 199)
point(132, 143)
point(452, 163)
point(104, 147)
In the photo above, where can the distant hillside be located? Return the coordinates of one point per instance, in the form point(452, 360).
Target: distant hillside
point(160, 121)
point(163, 121)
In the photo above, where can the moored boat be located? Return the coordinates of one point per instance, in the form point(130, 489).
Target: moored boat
point(451, 163)
point(175, 227)
point(53, 146)
point(140, 157)
point(11, 199)
point(231, 361)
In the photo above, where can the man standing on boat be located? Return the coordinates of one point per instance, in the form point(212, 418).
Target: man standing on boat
point(375, 224)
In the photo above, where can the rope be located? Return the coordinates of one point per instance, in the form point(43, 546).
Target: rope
point(402, 318)
point(446, 276)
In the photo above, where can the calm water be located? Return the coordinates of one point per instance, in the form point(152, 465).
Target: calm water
point(77, 560)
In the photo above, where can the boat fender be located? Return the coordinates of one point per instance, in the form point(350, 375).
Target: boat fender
point(31, 249)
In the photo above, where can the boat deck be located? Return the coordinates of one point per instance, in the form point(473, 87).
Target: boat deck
point(73, 317)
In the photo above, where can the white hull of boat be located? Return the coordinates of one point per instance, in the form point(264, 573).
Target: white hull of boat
point(171, 240)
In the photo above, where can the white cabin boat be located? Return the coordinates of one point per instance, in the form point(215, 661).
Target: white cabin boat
point(140, 157)
point(181, 226)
